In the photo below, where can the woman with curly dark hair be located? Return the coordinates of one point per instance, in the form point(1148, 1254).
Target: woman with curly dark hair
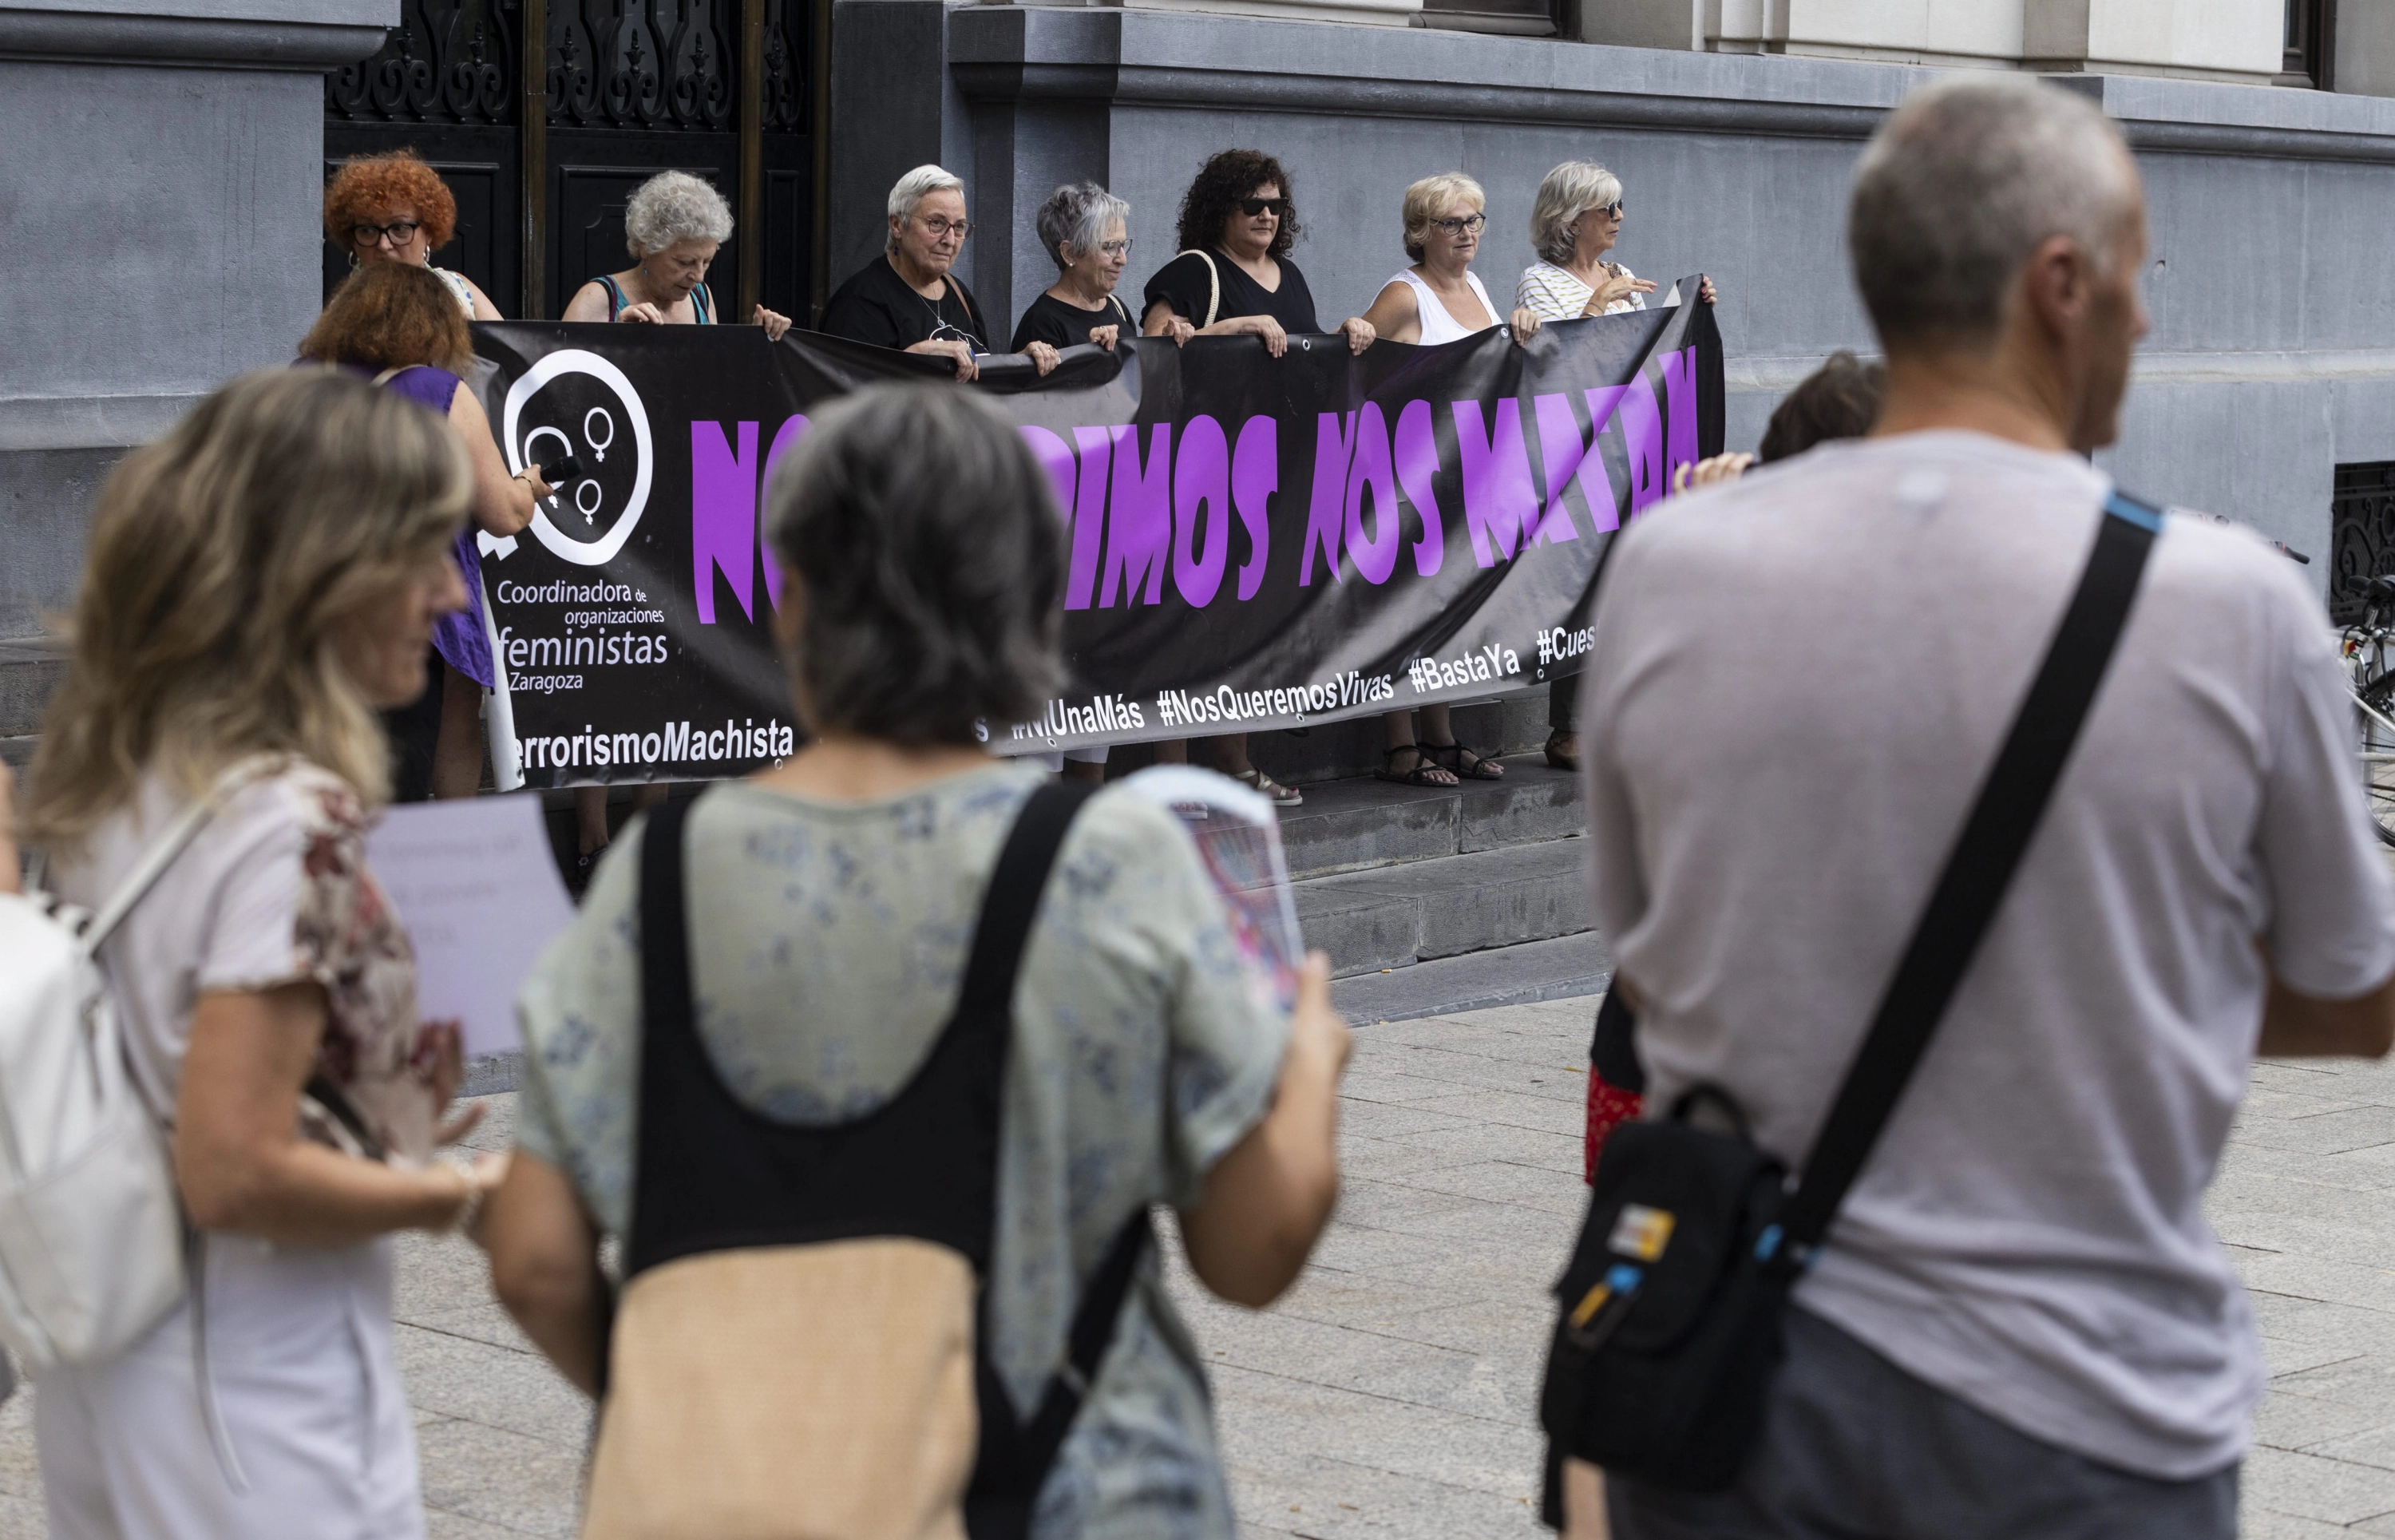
point(1234, 276)
point(395, 208)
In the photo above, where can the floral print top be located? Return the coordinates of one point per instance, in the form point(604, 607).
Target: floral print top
point(827, 942)
point(275, 890)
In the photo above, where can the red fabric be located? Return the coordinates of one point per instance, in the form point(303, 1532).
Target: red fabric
point(1608, 1107)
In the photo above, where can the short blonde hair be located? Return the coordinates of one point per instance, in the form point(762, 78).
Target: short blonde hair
point(1566, 193)
point(1427, 200)
point(226, 561)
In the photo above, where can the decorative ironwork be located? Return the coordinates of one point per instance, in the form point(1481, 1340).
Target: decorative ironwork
point(653, 64)
point(785, 66)
point(448, 61)
point(2362, 540)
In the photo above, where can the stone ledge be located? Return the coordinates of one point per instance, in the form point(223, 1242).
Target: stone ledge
point(87, 422)
point(304, 44)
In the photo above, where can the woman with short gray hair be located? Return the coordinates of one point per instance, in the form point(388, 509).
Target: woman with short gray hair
point(672, 227)
point(1086, 228)
point(923, 560)
point(907, 298)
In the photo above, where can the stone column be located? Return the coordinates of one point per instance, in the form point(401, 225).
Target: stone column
point(160, 195)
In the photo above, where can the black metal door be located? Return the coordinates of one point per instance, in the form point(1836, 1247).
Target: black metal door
point(631, 87)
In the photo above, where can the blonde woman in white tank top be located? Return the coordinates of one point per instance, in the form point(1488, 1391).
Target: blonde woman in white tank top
point(1437, 299)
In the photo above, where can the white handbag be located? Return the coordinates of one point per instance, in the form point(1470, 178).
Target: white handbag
point(91, 1232)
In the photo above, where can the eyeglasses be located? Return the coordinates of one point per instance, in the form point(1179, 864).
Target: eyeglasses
point(939, 229)
point(1612, 210)
point(1115, 248)
point(1276, 207)
point(1463, 222)
point(398, 232)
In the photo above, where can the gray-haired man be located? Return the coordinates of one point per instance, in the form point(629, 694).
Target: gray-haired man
point(2021, 1325)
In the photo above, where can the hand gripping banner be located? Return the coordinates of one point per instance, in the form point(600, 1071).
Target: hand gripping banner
point(1253, 543)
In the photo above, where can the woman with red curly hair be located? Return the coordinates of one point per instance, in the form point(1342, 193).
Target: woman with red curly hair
point(395, 208)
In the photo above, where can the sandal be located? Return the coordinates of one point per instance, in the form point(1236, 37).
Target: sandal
point(1563, 749)
point(1282, 796)
point(1425, 771)
point(1468, 764)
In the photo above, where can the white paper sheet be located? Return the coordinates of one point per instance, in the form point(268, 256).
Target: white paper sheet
point(476, 886)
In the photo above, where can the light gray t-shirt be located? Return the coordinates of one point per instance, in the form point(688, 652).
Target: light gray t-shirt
point(1798, 682)
point(827, 942)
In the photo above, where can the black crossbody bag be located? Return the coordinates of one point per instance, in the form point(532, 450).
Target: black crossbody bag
point(1669, 1330)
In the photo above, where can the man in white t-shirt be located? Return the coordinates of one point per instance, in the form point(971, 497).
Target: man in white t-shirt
point(2020, 1324)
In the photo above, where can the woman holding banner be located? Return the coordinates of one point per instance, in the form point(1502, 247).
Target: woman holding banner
point(1234, 277)
point(400, 324)
point(1438, 299)
point(673, 227)
point(1575, 220)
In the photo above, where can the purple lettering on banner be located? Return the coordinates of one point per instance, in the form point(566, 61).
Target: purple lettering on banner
point(1139, 517)
point(1498, 505)
point(1055, 457)
point(1604, 513)
point(785, 438)
point(1255, 476)
point(1680, 408)
point(723, 515)
point(1202, 479)
point(1417, 466)
point(1326, 511)
point(1370, 471)
point(1560, 451)
point(1642, 444)
point(1089, 514)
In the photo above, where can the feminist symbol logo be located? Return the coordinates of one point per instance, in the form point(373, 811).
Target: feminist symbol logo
point(576, 389)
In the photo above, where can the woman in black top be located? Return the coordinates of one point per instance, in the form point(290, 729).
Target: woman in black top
point(1085, 228)
point(1234, 276)
point(907, 299)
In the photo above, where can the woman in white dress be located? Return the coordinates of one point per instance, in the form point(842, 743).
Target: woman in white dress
point(259, 582)
point(1437, 299)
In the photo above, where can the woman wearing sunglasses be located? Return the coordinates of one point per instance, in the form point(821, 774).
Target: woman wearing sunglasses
point(1233, 275)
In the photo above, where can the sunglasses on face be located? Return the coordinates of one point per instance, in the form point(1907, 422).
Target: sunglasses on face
point(1608, 211)
point(1276, 207)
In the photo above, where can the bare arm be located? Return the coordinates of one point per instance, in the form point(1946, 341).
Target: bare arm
point(503, 504)
point(1267, 1202)
point(2297, 1025)
point(1163, 320)
point(483, 308)
point(589, 303)
point(1395, 315)
point(11, 871)
point(545, 1266)
point(239, 1160)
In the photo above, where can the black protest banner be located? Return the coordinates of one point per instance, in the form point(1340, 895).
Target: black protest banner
point(1252, 542)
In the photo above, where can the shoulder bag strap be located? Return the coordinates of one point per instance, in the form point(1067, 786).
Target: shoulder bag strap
point(1213, 283)
point(167, 848)
point(1978, 870)
point(1013, 899)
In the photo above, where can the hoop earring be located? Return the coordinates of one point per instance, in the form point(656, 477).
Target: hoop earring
point(353, 261)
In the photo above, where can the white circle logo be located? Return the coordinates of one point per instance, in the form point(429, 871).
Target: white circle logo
point(592, 493)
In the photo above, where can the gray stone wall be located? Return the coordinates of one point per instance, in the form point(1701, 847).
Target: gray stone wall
point(159, 195)
point(2273, 353)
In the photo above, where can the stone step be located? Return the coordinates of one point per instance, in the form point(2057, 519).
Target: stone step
point(1560, 968)
point(30, 669)
point(1395, 916)
point(1361, 823)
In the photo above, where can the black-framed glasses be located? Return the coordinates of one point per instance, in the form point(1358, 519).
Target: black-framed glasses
point(1276, 207)
point(1612, 210)
point(1460, 223)
point(940, 228)
point(399, 232)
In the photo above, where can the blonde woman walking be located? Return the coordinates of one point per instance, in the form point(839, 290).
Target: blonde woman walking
point(259, 582)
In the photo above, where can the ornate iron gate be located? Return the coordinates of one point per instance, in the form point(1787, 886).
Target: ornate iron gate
point(543, 151)
point(2362, 534)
